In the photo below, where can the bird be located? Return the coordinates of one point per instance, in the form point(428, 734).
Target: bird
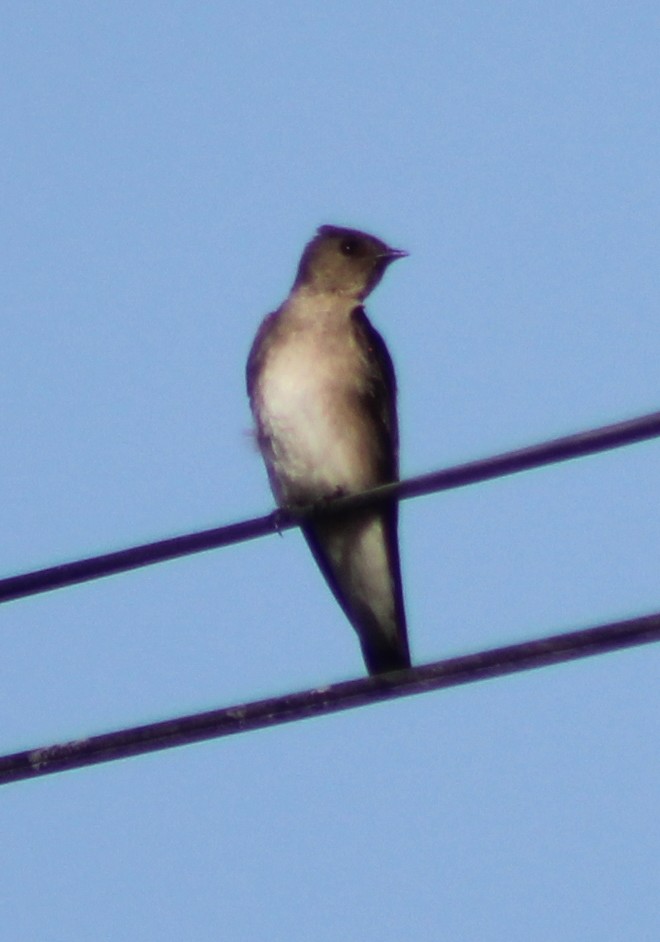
point(322, 391)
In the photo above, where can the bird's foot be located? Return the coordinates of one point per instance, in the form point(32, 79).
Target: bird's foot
point(277, 519)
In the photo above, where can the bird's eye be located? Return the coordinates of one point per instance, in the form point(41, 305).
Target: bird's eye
point(349, 246)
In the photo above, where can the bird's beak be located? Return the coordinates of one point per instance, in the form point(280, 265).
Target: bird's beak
point(392, 254)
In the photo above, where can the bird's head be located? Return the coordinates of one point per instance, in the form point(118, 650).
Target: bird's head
point(344, 261)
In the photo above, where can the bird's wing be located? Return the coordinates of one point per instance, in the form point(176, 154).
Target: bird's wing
point(379, 398)
point(385, 646)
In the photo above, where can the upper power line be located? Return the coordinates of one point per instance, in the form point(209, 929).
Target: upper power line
point(579, 445)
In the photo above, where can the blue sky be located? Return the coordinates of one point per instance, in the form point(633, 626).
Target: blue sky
point(162, 167)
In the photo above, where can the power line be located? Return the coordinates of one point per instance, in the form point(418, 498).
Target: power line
point(579, 445)
point(465, 669)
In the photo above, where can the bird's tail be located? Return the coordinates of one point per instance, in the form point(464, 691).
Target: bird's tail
point(358, 555)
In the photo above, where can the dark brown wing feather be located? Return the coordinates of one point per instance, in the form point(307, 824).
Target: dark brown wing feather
point(380, 396)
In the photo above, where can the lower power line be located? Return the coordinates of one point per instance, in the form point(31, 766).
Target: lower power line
point(465, 669)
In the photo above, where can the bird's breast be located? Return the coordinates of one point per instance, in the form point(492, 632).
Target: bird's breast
point(315, 433)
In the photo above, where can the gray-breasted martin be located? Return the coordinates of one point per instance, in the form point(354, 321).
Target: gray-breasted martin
point(323, 394)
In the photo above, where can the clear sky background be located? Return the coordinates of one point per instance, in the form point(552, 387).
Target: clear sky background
point(162, 166)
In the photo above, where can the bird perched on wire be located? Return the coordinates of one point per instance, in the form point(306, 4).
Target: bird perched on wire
point(323, 395)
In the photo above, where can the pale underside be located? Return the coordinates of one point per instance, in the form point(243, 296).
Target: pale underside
point(319, 441)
